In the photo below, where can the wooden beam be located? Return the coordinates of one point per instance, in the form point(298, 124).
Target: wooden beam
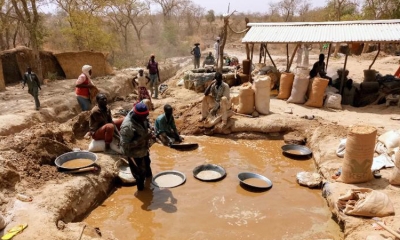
point(329, 54)
point(291, 59)
point(287, 57)
point(377, 54)
point(265, 52)
point(247, 51)
point(261, 53)
point(269, 55)
point(344, 70)
point(252, 52)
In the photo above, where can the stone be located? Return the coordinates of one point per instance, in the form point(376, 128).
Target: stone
point(309, 179)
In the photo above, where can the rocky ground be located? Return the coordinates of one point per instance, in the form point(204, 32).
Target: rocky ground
point(30, 140)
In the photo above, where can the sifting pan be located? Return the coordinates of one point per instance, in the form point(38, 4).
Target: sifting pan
point(209, 172)
point(296, 150)
point(254, 181)
point(185, 146)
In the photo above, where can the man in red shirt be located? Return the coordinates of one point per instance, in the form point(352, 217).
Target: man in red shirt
point(154, 75)
point(82, 88)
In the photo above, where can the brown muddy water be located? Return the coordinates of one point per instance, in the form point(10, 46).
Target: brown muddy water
point(223, 209)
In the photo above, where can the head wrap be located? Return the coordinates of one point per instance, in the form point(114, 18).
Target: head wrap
point(140, 109)
point(86, 69)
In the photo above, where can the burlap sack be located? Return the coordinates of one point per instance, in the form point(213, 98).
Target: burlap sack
point(394, 178)
point(262, 90)
point(285, 85)
point(246, 99)
point(333, 100)
point(366, 202)
point(316, 98)
point(3, 223)
point(397, 159)
point(360, 147)
point(391, 139)
point(299, 90)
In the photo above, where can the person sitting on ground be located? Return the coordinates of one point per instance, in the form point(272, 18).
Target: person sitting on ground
point(319, 68)
point(135, 143)
point(101, 124)
point(219, 99)
point(165, 127)
point(209, 60)
point(141, 81)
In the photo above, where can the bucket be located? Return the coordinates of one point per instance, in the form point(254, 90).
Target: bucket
point(369, 75)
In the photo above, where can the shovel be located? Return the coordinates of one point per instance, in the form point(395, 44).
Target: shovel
point(380, 223)
point(86, 169)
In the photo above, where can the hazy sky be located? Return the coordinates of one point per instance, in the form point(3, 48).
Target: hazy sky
point(221, 6)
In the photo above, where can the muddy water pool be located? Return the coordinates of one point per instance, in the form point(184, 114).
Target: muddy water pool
point(219, 210)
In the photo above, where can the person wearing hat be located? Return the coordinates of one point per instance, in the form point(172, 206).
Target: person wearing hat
point(216, 48)
point(154, 75)
point(33, 82)
point(196, 54)
point(135, 143)
point(82, 88)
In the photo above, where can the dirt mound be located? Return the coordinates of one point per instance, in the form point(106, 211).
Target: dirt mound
point(79, 124)
point(72, 62)
point(371, 55)
point(187, 119)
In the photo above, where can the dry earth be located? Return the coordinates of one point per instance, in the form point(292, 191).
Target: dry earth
point(30, 140)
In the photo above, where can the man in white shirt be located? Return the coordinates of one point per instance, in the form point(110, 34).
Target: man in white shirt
point(218, 100)
point(216, 48)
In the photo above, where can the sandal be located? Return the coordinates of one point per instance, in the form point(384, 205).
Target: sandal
point(14, 231)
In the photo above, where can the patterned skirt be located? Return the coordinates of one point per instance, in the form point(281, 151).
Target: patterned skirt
point(143, 93)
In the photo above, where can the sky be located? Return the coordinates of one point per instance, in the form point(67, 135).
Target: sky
point(262, 6)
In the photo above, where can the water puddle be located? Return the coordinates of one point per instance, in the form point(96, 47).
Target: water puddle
point(219, 210)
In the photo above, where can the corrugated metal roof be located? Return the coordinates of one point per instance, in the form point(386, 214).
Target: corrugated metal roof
point(324, 32)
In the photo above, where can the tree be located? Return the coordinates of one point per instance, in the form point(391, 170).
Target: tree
point(285, 8)
point(381, 9)
point(125, 13)
point(6, 24)
point(85, 23)
point(210, 16)
point(169, 6)
point(27, 13)
point(303, 9)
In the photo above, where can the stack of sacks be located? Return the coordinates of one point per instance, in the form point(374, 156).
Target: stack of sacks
point(300, 86)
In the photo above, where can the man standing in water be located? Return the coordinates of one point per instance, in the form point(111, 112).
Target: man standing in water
point(152, 65)
point(32, 80)
point(196, 55)
point(135, 143)
point(219, 99)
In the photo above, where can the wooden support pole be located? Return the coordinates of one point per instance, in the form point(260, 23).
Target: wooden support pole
point(265, 52)
point(329, 54)
point(344, 71)
point(247, 51)
point(291, 59)
point(377, 54)
point(269, 55)
point(252, 52)
point(261, 53)
point(287, 57)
